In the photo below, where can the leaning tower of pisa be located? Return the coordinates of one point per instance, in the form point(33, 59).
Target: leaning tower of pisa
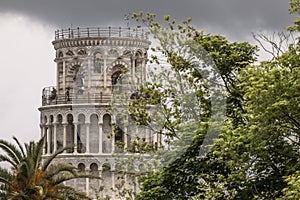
point(77, 110)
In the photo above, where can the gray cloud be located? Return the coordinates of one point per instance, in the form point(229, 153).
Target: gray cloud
point(27, 54)
point(234, 18)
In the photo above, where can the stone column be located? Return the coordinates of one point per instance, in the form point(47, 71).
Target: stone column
point(87, 186)
point(43, 135)
point(133, 69)
point(125, 138)
point(100, 138)
point(143, 70)
point(104, 72)
point(48, 132)
point(64, 77)
point(89, 71)
point(55, 136)
point(75, 137)
point(87, 137)
point(113, 183)
point(64, 135)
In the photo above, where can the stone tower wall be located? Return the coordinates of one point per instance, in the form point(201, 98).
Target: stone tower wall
point(89, 65)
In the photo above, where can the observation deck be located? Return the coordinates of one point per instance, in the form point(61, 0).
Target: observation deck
point(111, 32)
point(104, 36)
point(50, 97)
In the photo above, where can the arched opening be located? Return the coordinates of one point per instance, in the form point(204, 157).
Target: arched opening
point(94, 169)
point(51, 134)
point(59, 132)
point(116, 81)
point(70, 132)
point(94, 134)
point(98, 63)
point(116, 78)
point(106, 177)
point(80, 183)
point(45, 120)
point(119, 134)
point(138, 65)
point(79, 83)
point(107, 133)
point(94, 183)
point(60, 54)
point(81, 134)
point(81, 167)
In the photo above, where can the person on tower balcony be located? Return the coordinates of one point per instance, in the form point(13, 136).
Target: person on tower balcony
point(53, 94)
point(68, 94)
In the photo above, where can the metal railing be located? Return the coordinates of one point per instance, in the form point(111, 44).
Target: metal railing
point(75, 99)
point(101, 32)
point(51, 97)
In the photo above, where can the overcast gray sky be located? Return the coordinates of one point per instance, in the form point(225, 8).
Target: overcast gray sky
point(27, 29)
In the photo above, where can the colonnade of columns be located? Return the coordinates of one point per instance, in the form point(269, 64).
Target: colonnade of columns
point(91, 137)
point(87, 137)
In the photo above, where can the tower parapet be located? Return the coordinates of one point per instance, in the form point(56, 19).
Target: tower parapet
point(90, 67)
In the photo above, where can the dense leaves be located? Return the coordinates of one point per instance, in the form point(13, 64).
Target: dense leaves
point(257, 154)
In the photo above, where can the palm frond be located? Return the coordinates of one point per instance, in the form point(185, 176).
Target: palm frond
point(58, 168)
point(38, 152)
point(20, 146)
point(54, 155)
point(12, 151)
point(4, 158)
point(6, 176)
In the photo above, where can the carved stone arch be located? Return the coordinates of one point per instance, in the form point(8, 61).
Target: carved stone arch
point(139, 53)
point(81, 51)
point(51, 118)
point(95, 50)
point(66, 114)
point(106, 166)
point(70, 53)
point(113, 67)
point(88, 116)
point(89, 162)
point(59, 118)
point(45, 119)
point(74, 67)
point(128, 53)
point(98, 60)
point(114, 52)
point(60, 54)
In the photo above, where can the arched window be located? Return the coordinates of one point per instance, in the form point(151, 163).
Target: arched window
point(116, 80)
point(59, 132)
point(81, 167)
point(70, 132)
point(60, 54)
point(94, 134)
point(98, 63)
point(51, 134)
point(46, 134)
point(81, 134)
point(107, 132)
point(119, 134)
point(106, 177)
point(94, 169)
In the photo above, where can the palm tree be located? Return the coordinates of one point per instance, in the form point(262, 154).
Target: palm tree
point(32, 178)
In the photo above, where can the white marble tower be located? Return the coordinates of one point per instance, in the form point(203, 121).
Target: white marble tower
point(89, 65)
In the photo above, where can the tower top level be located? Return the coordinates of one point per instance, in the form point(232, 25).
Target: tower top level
point(89, 63)
point(101, 36)
point(115, 32)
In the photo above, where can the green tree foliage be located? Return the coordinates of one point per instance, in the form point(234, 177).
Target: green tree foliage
point(31, 178)
point(257, 153)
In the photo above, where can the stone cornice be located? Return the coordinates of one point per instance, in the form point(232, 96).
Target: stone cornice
point(100, 41)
